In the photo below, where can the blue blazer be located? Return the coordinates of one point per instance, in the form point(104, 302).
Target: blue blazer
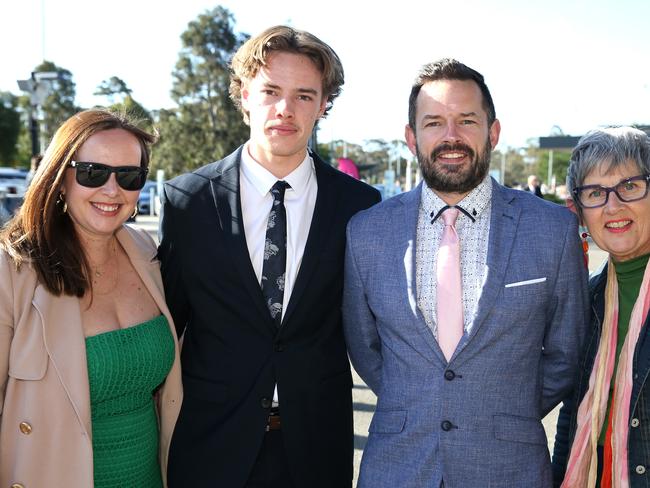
point(475, 421)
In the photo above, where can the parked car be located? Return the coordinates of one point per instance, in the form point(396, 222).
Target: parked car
point(12, 189)
point(144, 202)
point(13, 181)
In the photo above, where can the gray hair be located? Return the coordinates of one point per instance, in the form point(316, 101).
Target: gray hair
point(608, 149)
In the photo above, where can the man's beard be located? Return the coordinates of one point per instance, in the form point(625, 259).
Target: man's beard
point(449, 178)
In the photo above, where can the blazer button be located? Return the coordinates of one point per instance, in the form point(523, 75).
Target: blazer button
point(446, 425)
point(640, 469)
point(449, 375)
point(278, 348)
point(634, 423)
point(25, 428)
point(266, 402)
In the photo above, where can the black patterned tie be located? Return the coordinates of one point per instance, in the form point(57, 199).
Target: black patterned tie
point(275, 253)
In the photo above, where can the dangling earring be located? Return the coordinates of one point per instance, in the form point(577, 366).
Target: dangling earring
point(65, 204)
point(585, 247)
point(135, 212)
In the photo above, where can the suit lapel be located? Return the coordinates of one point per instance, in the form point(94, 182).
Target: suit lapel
point(226, 193)
point(321, 222)
point(409, 220)
point(503, 228)
point(66, 346)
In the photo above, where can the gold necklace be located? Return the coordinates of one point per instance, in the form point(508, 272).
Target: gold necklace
point(98, 274)
point(97, 268)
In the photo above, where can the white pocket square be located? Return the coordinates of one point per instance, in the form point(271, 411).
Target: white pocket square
point(526, 282)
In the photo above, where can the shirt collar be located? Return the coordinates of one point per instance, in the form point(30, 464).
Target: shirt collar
point(474, 203)
point(262, 179)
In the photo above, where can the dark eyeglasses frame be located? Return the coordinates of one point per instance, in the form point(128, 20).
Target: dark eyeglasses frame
point(120, 173)
point(610, 189)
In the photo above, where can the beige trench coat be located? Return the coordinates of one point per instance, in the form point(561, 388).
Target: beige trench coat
point(45, 431)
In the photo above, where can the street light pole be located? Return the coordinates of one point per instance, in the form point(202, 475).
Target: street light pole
point(33, 131)
point(38, 86)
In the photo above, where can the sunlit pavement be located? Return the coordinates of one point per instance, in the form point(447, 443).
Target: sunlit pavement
point(363, 398)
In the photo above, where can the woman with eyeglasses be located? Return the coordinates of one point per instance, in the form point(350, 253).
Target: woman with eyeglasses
point(603, 432)
point(90, 383)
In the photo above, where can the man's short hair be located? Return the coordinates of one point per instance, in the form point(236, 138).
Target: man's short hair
point(449, 69)
point(254, 54)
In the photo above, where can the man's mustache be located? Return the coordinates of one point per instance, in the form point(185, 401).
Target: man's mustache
point(459, 147)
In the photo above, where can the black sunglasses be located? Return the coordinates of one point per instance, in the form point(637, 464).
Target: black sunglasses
point(94, 175)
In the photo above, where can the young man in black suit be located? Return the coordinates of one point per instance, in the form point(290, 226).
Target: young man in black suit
point(252, 251)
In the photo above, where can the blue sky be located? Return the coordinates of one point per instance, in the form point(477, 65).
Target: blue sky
point(573, 64)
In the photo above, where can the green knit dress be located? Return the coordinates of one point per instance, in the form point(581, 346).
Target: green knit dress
point(124, 368)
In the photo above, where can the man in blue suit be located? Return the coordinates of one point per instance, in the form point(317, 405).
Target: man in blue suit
point(462, 408)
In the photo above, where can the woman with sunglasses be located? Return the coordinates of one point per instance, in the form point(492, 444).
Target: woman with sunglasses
point(90, 383)
point(603, 432)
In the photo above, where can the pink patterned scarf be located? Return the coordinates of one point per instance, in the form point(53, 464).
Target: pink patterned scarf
point(583, 461)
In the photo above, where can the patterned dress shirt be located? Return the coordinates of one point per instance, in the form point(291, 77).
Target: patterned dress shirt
point(473, 236)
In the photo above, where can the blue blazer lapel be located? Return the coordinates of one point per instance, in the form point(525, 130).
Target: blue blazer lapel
point(408, 219)
point(227, 199)
point(503, 228)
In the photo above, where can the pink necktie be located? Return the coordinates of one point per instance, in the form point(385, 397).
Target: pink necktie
point(449, 304)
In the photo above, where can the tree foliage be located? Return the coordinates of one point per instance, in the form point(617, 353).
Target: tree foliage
point(205, 125)
point(9, 128)
point(119, 94)
point(372, 158)
point(114, 88)
point(560, 165)
point(60, 103)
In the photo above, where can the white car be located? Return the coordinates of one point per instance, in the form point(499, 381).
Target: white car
point(12, 189)
point(13, 181)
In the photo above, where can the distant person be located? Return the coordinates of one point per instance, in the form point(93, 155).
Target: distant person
point(34, 164)
point(464, 306)
point(534, 186)
point(90, 382)
point(252, 251)
point(602, 432)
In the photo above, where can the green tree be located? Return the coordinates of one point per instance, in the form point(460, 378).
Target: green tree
point(60, 102)
point(205, 125)
point(560, 165)
point(9, 128)
point(113, 88)
point(24, 142)
point(119, 95)
point(517, 168)
point(324, 150)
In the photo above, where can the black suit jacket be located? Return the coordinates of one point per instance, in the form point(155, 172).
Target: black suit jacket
point(233, 354)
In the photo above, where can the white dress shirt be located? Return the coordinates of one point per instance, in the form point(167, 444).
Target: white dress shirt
point(255, 184)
